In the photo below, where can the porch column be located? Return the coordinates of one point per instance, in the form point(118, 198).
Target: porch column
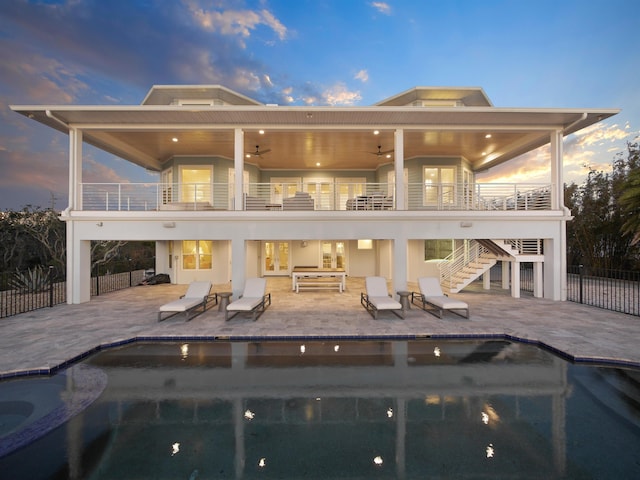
point(537, 280)
point(505, 274)
point(515, 280)
point(486, 280)
point(75, 169)
point(555, 271)
point(239, 264)
point(78, 267)
point(398, 162)
point(557, 183)
point(400, 265)
point(238, 165)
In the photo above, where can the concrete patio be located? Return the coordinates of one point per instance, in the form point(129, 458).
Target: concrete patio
point(45, 339)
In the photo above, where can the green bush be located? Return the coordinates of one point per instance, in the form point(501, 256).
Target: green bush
point(33, 280)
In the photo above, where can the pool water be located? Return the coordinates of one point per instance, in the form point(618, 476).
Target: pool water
point(328, 409)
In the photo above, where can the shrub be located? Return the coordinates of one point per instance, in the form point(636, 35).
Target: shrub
point(33, 280)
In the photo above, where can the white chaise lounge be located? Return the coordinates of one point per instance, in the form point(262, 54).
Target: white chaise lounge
point(431, 299)
point(377, 298)
point(198, 295)
point(254, 299)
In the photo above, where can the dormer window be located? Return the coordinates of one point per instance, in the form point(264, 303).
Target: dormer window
point(199, 102)
point(437, 103)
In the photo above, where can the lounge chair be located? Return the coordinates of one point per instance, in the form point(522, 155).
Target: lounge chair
point(253, 300)
point(197, 296)
point(377, 298)
point(432, 300)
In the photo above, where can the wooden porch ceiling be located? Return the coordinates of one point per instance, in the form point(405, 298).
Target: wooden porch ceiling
point(301, 138)
point(324, 149)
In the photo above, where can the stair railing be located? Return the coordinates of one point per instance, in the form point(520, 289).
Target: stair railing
point(462, 256)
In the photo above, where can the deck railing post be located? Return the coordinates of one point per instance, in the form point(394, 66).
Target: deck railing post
point(580, 276)
point(50, 285)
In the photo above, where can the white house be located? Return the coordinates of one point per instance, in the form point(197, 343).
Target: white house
point(248, 189)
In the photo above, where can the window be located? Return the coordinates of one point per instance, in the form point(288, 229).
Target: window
point(439, 186)
point(196, 254)
point(196, 184)
point(437, 249)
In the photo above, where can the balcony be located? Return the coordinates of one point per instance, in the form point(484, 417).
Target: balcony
point(271, 197)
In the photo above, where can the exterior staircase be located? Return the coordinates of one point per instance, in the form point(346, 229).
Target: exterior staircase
point(471, 260)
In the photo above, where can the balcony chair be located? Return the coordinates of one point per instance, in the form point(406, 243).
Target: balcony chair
point(300, 201)
point(197, 296)
point(431, 299)
point(378, 299)
point(253, 300)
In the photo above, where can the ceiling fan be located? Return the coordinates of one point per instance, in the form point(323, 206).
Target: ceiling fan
point(380, 153)
point(258, 152)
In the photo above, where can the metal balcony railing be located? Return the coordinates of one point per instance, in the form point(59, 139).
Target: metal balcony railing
point(321, 196)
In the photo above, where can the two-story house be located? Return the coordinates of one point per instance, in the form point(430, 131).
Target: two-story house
point(250, 189)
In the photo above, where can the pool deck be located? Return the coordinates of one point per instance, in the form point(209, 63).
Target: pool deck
point(44, 340)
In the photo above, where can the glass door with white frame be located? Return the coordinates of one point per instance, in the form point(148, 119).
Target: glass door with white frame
point(276, 258)
point(334, 255)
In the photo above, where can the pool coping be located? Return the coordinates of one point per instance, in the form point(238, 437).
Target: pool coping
point(576, 359)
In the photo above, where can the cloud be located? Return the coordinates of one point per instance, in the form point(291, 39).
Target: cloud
point(382, 7)
point(363, 76)
point(339, 94)
point(238, 23)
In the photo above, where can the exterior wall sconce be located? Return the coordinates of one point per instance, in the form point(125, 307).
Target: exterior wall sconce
point(169, 224)
point(466, 224)
point(99, 224)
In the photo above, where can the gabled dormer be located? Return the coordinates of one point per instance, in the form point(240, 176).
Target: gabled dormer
point(196, 95)
point(438, 97)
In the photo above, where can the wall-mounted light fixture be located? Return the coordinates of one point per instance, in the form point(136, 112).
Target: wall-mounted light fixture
point(169, 224)
point(466, 224)
point(366, 244)
point(99, 224)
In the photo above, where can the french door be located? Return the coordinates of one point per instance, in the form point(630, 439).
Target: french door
point(276, 258)
point(334, 255)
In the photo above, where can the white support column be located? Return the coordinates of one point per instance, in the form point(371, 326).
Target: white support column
point(75, 169)
point(78, 268)
point(239, 263)
point(398, 161)
point(557, 187)
point(505, 274)
point(538, 288)
point(486, 280)
point(515, 280)
point(238, 162)
point(555, 271)
point(400, 265)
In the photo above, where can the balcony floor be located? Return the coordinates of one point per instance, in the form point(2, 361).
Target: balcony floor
point(47, 338)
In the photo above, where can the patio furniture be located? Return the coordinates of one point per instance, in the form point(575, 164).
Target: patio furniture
point(300, 201)
point(431, 299)
point(253, 300)
point(197, 295)
point(377, 298)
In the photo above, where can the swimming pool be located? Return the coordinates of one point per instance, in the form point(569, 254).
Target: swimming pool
point(327, 409)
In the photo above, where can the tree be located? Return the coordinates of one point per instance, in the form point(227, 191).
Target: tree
point(594, 237)
point(30, 237)
point(630, 197)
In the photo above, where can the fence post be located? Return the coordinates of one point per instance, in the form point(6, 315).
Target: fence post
point(50, 285)
point(97, 281)
point(580, 275)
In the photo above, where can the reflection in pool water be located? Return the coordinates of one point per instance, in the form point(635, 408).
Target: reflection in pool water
point(342, 409)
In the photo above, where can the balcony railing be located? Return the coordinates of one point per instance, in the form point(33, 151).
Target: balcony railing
point(329, 196)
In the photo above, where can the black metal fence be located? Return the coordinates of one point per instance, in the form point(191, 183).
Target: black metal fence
point(617, 290)
point(22, 292)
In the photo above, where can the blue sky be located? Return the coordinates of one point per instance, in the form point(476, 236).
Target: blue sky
point(537, 53)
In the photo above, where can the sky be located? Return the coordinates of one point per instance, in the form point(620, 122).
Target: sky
point(523, 53)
